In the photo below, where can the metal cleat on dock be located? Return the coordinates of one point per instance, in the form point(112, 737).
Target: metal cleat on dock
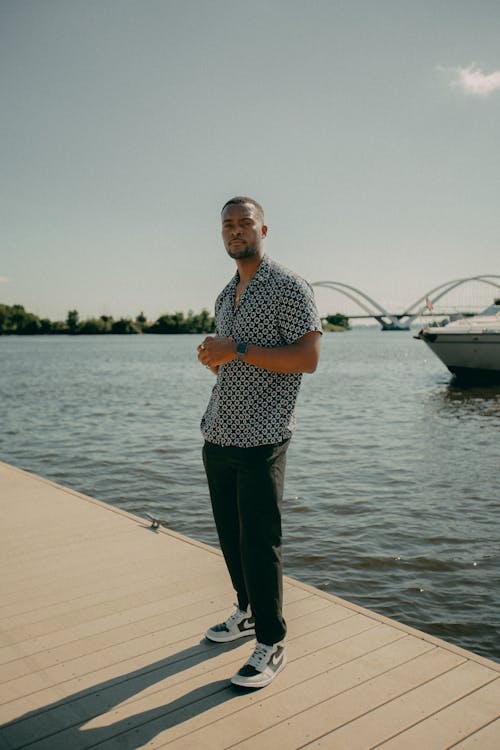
point(156, 522)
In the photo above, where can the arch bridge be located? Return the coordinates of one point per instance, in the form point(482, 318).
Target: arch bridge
point(401, 321)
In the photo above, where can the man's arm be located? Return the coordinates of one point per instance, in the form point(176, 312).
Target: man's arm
point(300, 356)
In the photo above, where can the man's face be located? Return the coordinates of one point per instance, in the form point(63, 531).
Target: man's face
point(243, 231)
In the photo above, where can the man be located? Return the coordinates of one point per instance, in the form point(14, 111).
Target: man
point(267, 334)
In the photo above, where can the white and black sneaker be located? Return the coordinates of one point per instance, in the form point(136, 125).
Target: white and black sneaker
point(240, 624)
point(262, 667)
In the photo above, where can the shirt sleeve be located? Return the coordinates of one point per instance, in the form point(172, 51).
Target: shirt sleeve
point(217, 314)
point(298, 312)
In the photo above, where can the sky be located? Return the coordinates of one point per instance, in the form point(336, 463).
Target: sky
point(369, 131)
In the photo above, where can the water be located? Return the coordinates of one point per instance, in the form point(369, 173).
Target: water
point(392, 491)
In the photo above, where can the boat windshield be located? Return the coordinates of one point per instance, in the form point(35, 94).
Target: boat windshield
point(494, 309)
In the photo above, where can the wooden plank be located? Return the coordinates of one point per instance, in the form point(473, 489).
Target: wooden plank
point(228, 723)
point(166, 668)
point(72, 613)
point(206, 594)
point(192, 683)
point(67, 586)
point(446, 727)
point(487, 738)
point(206, 598)
point(328, 702)
point(93, 654)
point(58, 602)
point(182, 622)
point(428, 700)
point(206, 601)
point(183, 569)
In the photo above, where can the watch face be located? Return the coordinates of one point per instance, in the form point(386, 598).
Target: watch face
point(242, 348)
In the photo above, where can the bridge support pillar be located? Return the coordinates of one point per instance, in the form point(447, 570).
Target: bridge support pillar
point(391, 323)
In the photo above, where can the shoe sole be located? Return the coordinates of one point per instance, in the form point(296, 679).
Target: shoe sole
point(240, 681)
point(221, 638)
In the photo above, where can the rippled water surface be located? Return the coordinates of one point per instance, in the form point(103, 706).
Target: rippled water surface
point(392, 491)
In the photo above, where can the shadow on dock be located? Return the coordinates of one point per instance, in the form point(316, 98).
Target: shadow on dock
point(92, 716)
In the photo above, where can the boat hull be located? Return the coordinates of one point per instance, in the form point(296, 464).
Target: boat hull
point(466, 355)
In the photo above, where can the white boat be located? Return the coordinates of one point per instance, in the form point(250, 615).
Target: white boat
point(470, 347)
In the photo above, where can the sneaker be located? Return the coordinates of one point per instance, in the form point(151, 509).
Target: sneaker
point(262, 667)
point(240, 623)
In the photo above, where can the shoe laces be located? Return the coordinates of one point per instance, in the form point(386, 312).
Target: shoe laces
point(260, 656)
point(235, 617)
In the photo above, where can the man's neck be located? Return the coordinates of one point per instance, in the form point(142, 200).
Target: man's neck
point(248, 267)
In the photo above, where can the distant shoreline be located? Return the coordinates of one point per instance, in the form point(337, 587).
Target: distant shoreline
point(16, 321)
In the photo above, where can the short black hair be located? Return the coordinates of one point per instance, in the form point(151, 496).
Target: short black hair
point(241, 200)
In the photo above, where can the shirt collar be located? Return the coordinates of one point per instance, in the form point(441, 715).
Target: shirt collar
point(261, 275)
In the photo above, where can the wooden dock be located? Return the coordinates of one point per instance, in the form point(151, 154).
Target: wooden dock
point(101, 645)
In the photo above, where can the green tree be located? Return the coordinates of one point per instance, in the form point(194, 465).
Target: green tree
point(336, 322)
point(31, 325)
point(202, 323)
point(107, 321)
point(141, 320)
point(5, 322)
point(125, 325)
point(16, 320)
point(58, 327)
point(72, 321)
point(46, 326)
point(164, 324)
point(93, 326)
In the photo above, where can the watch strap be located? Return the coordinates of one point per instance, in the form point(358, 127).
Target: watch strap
point(241, 349)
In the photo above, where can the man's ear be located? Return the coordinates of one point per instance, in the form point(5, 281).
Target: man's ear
point(264, 230)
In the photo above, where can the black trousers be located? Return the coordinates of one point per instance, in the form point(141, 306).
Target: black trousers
point(246, 490)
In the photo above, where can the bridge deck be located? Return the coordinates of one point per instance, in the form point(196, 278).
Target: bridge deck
point(101, 644)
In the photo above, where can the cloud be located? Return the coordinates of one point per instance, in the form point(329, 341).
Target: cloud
point(473, 81)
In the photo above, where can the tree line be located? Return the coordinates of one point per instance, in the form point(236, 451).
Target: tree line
point(336, 322)
point(15, 320)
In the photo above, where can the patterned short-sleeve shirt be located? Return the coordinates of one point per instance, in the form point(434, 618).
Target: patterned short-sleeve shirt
point(250, 406)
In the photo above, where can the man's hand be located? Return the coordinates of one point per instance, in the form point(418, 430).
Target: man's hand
point(300, 356)
point(216, 351)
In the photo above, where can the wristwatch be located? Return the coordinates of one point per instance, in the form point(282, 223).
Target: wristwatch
point(241, 349)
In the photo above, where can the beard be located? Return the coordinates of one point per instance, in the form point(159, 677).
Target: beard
point(243, 251)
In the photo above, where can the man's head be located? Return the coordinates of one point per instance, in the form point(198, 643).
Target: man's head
point(243, 228)
point(242, 200)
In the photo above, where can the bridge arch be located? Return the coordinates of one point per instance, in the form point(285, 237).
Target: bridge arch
point(401, 321)
point(388, 321)
point(433, 295)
